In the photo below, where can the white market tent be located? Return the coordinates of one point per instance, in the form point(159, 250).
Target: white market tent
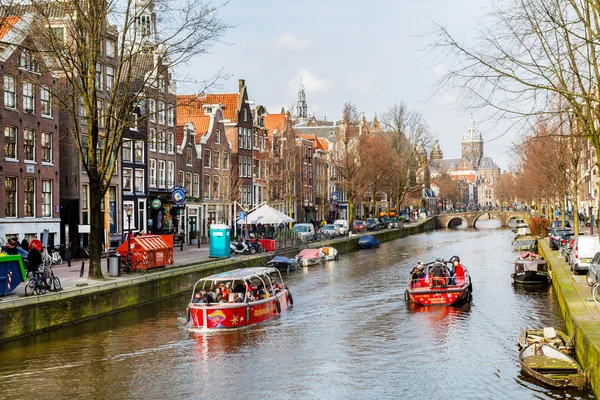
point(265, 215)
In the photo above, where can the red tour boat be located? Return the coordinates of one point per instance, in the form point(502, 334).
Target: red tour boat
point(238, 298)
point(437, 284)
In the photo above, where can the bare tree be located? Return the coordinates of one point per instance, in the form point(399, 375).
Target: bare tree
point(536, 52)
point(71, 34)
point(409, 136)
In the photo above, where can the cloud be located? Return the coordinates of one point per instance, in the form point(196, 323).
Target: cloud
point(312, 83)
point(364, 83)
point(291, 42)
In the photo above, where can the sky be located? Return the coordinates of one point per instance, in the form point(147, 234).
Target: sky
point(373, 54)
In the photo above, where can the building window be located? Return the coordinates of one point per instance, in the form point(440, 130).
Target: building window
point(152, 140)
point(218, 136)
point(110, 47)
point(133, 125)
point(10, 196)
point(84, 204)
point(161, 141)
point(245, 115)
point(46, 147)
point(29, 145)
point(215, 187)
point(188, 156)
point(10, 94)
point(161, 83)
point(27, 62)
point(171, 116)
point(180, 178)
point(126, 150)
point(170, 174)
point(152, 172)
point(139, 151)
point(139, 180)
point(100, 110)
point(29, 194)
point(225, 160)
point(152, 110)
point(83, 113)
point(206, 158)
point(28, 97)
point(127, 180)
point(110, 77)
point(216, 159)
point(46, 98)
point(188, 182)
point(10, 142)
point(207, 186)
point(47, 198)
point(98, 82)
point(196, 188)
point(171, 142)
point(161, 112)
point(161, 173)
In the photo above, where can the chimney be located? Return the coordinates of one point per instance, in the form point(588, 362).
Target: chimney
point(242, 83)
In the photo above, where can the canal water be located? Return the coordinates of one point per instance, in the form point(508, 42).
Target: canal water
point(350, 335)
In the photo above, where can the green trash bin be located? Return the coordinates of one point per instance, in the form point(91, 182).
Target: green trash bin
point(219, 241)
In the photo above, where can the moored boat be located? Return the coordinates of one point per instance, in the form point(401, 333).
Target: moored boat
point(283, 263)
point(367, 242)
point(550, 336)
point(436, 284)
point(255, 297)
point(530, 268)
point(329, 253)
point(551, 367)
point(525, 243)
point(308, 257)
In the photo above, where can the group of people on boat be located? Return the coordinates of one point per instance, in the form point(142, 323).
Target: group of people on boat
point(242, 292)
point(438, 274)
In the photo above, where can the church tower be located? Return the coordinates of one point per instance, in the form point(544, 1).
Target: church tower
point(472, 145)
point(436, 151)
point(301, 107)
point(143, 35)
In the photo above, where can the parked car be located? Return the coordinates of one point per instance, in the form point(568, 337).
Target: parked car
point(373, 224)
point(342, 224)
point(584, 249)
point(331, 230)
point(307, 231)
point(359, 226)
point(593, 270)
point(557, 235)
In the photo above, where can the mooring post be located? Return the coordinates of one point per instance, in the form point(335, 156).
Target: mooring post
point(82, 267)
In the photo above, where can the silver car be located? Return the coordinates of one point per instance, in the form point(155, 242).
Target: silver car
point(593, 270)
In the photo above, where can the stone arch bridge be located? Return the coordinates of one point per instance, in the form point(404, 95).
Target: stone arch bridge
point(470, 218)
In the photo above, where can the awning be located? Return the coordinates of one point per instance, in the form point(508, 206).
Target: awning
point(266, 215)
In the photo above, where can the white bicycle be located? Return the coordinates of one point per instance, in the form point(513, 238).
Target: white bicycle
point(49, 259)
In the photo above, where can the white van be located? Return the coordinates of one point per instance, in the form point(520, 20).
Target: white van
point(342, 224)
point(584, 250)
point(305, 230)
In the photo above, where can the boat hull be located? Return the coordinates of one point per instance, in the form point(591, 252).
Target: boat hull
point(551, 367)
point(531, 278)
point(236, 315)
point(440, 297)
point(528, 336)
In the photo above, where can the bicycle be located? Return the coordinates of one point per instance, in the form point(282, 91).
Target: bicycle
point(596, 293)
point(42, 281)
point(126, 267)
point(46, 258)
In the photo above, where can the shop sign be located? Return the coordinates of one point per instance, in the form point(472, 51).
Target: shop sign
point(156, 204)
point(178, 194)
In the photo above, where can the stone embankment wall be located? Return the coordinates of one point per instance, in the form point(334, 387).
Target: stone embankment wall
point(55, 310)
point(581, 315)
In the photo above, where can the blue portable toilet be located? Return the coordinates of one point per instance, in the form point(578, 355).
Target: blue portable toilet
point(219, 241)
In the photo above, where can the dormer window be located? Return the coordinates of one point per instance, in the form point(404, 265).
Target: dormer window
point(27, 62)
point(209, 110)
point(161, 83)
point(245, 115)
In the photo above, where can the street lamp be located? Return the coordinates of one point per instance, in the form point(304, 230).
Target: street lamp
point(129, 213)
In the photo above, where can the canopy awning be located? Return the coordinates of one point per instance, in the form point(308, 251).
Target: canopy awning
point(240, 274)
point(266, 215)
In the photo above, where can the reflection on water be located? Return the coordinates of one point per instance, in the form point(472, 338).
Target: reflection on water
point(350, 335)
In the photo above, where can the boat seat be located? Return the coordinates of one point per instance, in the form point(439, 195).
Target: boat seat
point(549, 333)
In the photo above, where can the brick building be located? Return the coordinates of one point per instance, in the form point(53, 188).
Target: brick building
point(29, 148)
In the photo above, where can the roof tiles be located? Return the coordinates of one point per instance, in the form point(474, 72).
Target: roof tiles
point(6, 24)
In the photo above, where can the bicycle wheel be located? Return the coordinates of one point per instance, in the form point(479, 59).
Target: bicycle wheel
point(56, 285)
point(57, 259)
point(141, 267)
point(595, 293)
point(41, 286)
point(29, 287)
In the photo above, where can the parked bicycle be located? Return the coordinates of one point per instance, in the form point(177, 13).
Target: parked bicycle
point(40, 282)
point(127, 267)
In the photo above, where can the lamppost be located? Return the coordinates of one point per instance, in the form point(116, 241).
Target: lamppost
point(129, 212)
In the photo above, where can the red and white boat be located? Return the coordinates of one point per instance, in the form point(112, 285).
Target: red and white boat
point(205, 312)
point(443, 289)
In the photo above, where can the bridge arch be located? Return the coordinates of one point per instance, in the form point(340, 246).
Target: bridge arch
point(490, 214)
point(456, 221)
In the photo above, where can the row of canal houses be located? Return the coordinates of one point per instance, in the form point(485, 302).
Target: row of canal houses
point(226, 154)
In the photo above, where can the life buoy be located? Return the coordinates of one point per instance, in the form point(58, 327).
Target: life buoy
point(290, 298)
point(278, 306)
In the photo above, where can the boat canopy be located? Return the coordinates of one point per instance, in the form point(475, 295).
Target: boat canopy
point(281, 260)
point(529, 255)
point(309, 253)
point(530, 265)
point(240, 274)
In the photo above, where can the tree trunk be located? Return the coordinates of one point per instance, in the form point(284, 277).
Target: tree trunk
point(96, 229)
point(575, 210)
